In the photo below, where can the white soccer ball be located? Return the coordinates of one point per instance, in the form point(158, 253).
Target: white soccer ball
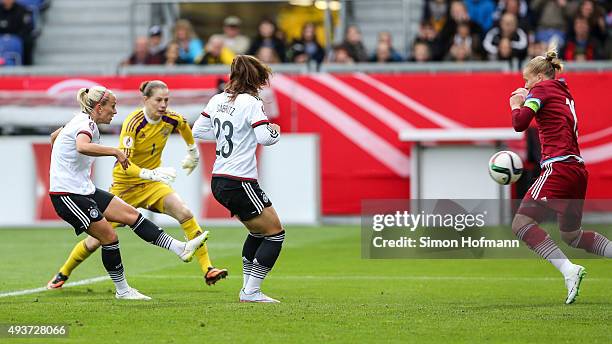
point(505, 167)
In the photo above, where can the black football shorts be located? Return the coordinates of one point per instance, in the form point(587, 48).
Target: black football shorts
point(81, 210)
point(244, 199)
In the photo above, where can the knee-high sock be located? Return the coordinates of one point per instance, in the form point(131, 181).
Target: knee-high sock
point(149, 232)
point(265, 257)
point(538, 241)
point(251, 244)
point(593, 242)
point(78, 254)
point(192, 230)
point(111, 258)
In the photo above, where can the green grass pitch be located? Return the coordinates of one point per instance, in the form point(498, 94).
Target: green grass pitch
point(328, 294)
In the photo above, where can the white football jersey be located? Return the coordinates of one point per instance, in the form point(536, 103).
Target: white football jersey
point(70, 170)
point(233, 125)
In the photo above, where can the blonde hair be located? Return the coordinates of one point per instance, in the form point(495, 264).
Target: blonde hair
point(548, 64)
point(88, 98)
point(186, 25)
point(147, 87)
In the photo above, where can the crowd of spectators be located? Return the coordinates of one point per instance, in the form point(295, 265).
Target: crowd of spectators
point(17, 20)
point(185, 47)
point(450, 30)
point(468, 30)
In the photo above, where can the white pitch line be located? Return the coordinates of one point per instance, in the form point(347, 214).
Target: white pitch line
point(308, 277)
point(67, 285)
point(399, 278)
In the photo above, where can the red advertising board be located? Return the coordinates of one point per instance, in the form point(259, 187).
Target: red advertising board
point(359, 116)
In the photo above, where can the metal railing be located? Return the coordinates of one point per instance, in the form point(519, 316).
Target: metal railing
point(290, 68)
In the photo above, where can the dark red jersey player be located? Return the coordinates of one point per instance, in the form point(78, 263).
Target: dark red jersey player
point(561, 186)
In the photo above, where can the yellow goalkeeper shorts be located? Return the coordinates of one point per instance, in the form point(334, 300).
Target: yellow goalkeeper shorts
point(146, 195)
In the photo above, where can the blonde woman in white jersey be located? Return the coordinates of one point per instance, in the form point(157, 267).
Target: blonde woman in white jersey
point(89, 209)
point(236, 120)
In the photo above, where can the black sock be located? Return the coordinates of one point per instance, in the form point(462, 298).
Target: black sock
point(146, 230)
point(251, 244)
point(111, 259)
point(264, 260)
point(151, 233)
point(269, 250)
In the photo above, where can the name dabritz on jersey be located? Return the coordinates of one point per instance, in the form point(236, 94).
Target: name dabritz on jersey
point(226, 108)
point(237, 126)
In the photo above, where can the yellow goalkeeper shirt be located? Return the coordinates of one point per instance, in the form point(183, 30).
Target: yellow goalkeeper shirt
point(143, 143)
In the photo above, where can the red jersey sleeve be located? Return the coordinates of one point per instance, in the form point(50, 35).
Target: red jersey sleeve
point(521, 118)
point(534, 101)
point(536, 98)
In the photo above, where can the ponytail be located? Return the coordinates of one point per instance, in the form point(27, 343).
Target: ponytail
point(553, 59)
point(88, 98)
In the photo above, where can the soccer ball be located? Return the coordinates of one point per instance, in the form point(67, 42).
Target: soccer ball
point(505, 167)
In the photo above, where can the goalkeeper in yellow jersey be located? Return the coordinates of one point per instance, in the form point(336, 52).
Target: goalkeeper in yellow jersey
point(145, 184)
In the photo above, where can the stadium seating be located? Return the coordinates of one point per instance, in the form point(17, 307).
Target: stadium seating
point(36, 7)
point(37, 4)
point(11, 50)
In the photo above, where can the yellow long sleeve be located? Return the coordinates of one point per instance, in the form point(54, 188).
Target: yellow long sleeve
point(133, 170)
point(186, 133)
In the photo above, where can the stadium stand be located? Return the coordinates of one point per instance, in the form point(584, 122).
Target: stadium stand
point(16, 19)
point(400, 18)
point(70, 26)
point(36, 7)
point(11, 50)
point(421, 30)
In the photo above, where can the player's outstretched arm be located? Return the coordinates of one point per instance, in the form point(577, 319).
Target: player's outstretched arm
point(185, 131)
point(86, 147)
point(202, 128)
point(268, 134)
point(166, 175)
point(191, 160)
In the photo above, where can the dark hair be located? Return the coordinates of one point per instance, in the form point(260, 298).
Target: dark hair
point(269, 21)
point(247, 75)
point(147, 87)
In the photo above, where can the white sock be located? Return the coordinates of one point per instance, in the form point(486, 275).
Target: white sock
point(258, 273)
point(246, 271)
point(122, 287)
point(563, 265)
point(252, 285)
point(169, 243)
point(177, 246)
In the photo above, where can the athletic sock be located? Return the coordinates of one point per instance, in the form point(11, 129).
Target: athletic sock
point(251, 244)
point(593, 242)
point(150, 232)
point(538, 241)
point(265, 257)
point(111, 258)
point(192, 230)
point(78, 254)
